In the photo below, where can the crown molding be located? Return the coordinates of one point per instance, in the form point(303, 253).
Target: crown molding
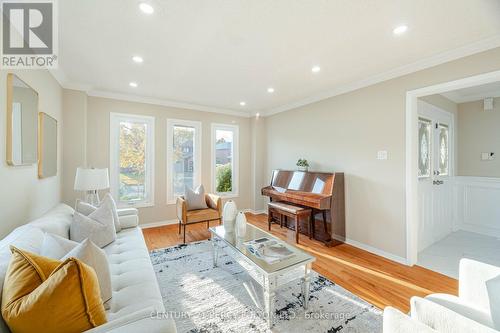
point(61, 78)
point(458, 99)
point(164, 102)
point(441, 58)
point(461, 52)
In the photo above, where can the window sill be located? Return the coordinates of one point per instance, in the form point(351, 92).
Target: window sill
point(228, 196)
point(135, 205)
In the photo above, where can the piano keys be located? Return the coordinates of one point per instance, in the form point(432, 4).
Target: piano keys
point(321, 191)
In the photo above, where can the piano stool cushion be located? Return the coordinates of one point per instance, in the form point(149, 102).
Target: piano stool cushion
point(288, 208)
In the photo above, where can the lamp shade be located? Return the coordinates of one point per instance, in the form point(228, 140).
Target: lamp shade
point(91, 179)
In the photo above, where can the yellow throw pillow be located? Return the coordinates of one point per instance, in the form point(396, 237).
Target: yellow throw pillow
point(42, 294)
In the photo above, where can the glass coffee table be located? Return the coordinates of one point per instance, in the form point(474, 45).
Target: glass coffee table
point(269, 276)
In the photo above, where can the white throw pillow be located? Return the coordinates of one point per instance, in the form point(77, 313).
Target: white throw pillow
point(84, 208)
point(195, 199)
point(493, 287)
point(108, 201)
point(98, 227)
point(56, 247)
point(60, 248)
point(95, 257)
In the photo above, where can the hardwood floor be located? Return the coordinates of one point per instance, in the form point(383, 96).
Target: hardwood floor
point(378, 280)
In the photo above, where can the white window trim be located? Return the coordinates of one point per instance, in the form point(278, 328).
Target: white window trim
point(236, 159)
point(171, 198)
point(114, 121)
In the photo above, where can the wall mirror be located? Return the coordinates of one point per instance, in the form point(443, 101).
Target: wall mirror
point(47, 146)
point(22, 113)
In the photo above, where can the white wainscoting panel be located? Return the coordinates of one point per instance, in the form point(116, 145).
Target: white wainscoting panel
point(477, 205)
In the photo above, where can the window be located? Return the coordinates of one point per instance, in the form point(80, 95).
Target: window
point(183, 156)
point(132, 159)
point(443, 150)
point(225, 159)
point(424, 148)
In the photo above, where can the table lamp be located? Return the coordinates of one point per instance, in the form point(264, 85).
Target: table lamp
point(91, 180)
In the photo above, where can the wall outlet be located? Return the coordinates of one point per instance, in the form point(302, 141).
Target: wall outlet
point(487, 156)
point(382, 155)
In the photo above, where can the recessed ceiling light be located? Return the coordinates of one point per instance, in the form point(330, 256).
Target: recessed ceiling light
point(133, 84)
point(315, 69)
point(270, 90)
point(137, 59)
point(400, 30)
point(146, 8)
point(243, 103)
point(257, 115)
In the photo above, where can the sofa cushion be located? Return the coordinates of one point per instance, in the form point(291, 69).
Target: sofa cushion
point(134, 282)
point(56, 221)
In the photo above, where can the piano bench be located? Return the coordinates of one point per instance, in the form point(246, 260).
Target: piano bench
point(294, 212)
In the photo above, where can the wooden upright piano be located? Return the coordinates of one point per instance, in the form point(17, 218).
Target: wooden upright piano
point(323, 192)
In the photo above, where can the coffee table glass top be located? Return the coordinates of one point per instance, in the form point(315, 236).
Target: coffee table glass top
point(252, 232)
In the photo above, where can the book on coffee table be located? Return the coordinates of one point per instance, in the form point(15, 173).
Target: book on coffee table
point(269, 250)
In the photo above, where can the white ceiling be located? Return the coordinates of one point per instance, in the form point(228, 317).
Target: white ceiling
point(474, 93)
point(213, 54)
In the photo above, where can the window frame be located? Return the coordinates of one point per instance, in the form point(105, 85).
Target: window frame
point(114, 158)
point(235, 159)
point(197, 154)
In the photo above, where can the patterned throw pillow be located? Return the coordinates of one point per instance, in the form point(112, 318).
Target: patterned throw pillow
point(98, 227)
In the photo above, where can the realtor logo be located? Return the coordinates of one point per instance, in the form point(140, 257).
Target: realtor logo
point(29, 34)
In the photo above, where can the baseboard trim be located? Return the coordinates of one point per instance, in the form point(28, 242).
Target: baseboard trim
point(157, 224)
point(371, 249)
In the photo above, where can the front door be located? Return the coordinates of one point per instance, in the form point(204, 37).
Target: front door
point(435, 170)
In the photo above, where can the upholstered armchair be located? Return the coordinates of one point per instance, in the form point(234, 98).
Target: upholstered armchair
point(475, 309)
point(212, 213)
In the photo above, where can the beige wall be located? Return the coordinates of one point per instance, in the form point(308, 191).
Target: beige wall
point(344, 133)
point(259, 173)
point(98, 110)
point(479, 131)
point(75, 141)
point(23, 196)
point(442, 103)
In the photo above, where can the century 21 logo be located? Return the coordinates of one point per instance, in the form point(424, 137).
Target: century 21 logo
point(27, 27)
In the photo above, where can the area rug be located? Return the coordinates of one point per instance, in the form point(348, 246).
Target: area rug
point(204, 299)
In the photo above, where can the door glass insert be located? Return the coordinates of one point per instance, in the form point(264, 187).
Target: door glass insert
point(424, 147)
point(443, 150)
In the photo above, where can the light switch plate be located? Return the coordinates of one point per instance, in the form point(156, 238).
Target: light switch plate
point(382, 155)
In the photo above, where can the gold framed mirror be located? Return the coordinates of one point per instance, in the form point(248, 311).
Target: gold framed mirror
point(47, 146)
point(22, 122)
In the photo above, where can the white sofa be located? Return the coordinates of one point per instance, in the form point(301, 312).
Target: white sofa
point(136, 295)
point(470, 312)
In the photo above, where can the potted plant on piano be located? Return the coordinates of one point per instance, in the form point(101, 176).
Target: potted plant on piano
point(302, 164)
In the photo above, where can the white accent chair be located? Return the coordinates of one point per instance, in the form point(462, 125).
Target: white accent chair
point(475, 310)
